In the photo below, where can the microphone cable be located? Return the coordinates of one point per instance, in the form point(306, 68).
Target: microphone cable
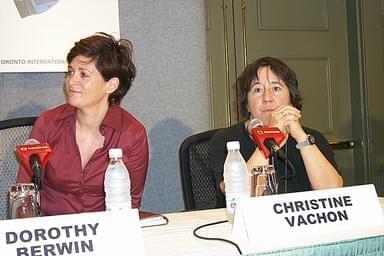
point(215, 238)
point(287, 164)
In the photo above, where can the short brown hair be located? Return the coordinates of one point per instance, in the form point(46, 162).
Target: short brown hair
point(281, 70)
point(113, 58)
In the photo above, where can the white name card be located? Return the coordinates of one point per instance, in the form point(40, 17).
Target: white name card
point(308, 218)
point(96, 234)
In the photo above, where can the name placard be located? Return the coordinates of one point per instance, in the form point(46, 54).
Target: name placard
point(308, 218)
point(98, 233)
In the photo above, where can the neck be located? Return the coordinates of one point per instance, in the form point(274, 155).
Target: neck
point(91, 118)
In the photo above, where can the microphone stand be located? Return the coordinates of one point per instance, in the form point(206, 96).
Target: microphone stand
point(35, 163)
point(280, 154)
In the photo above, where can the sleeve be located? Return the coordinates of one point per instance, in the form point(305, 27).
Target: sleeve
point(37, 133)
point(325, 148)
point(136, 160)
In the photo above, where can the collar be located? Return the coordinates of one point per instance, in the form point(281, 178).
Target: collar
point(66, 111)
point(113, 117)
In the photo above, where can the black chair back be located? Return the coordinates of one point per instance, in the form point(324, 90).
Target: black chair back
point(13, 132)
point(198, 183)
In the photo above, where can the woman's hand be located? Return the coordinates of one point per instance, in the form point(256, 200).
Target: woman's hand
point(287, 119)
point(321, 173)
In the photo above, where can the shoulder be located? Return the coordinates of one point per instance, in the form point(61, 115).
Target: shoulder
point(57, 113)
point(50, 123)
point(122, 120)
point(232, 132)
point(131, 120)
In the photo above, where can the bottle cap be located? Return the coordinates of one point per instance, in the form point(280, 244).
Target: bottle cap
point(233, 145)
point(115, 152)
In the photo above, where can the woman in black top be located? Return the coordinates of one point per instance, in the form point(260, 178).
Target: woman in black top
point(269, 92)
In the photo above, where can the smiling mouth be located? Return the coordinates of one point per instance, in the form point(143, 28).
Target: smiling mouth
point(74, 92)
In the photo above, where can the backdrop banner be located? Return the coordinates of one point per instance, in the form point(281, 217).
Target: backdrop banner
point(37, 34)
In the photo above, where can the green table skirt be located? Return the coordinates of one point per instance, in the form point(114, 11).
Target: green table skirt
point(371, 246)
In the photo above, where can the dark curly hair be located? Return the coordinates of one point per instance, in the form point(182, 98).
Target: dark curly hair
point(280, 69)
point(113, 58)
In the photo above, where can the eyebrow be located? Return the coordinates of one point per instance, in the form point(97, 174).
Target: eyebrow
point(254, 82)
point(81, 69)
point(270, 82)
point(276, 82)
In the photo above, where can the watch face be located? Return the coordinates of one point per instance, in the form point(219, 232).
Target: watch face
point(311, 139)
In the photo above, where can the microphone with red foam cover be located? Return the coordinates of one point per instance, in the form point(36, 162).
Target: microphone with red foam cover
point(267, 139)
point(34, 156)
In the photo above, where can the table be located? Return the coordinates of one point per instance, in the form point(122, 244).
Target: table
point(176, 238)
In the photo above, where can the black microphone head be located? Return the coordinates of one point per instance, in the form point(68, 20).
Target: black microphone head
point(34, 160)
point(254, 123)
point(271, 145)
point(35, 163)
point(274, 148)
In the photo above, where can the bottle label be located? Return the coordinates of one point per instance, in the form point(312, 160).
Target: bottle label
point(231, 201)
point(118, 206)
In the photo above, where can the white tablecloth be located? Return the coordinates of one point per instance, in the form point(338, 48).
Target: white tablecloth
point(176, 238)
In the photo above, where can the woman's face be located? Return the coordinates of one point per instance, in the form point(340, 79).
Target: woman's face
point(266, 94)
point(84, 85)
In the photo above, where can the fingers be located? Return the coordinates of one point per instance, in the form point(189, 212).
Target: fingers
point(287, 111)
point(284, 117)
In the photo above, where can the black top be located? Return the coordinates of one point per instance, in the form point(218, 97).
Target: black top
point(298, 182)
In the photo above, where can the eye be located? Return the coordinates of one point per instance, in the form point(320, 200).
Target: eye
point(84, 74)
point(69, 72)
point(276, 87)
point(257, 89)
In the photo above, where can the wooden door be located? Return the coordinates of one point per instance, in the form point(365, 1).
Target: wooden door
point(311, 37)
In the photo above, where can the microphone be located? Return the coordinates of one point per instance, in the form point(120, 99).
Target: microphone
point(254, 123)
point(34, 156)
point(266, 138)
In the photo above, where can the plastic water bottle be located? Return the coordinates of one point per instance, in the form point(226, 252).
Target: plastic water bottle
point(117, 185)
point(235, 178)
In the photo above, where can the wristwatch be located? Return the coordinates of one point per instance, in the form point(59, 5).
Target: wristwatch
point(309, 141)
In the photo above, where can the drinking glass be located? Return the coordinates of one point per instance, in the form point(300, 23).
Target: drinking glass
point(23, 201)
point(263, 181)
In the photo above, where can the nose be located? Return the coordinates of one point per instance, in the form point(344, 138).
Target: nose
point(267, 95)
point(72, 78)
